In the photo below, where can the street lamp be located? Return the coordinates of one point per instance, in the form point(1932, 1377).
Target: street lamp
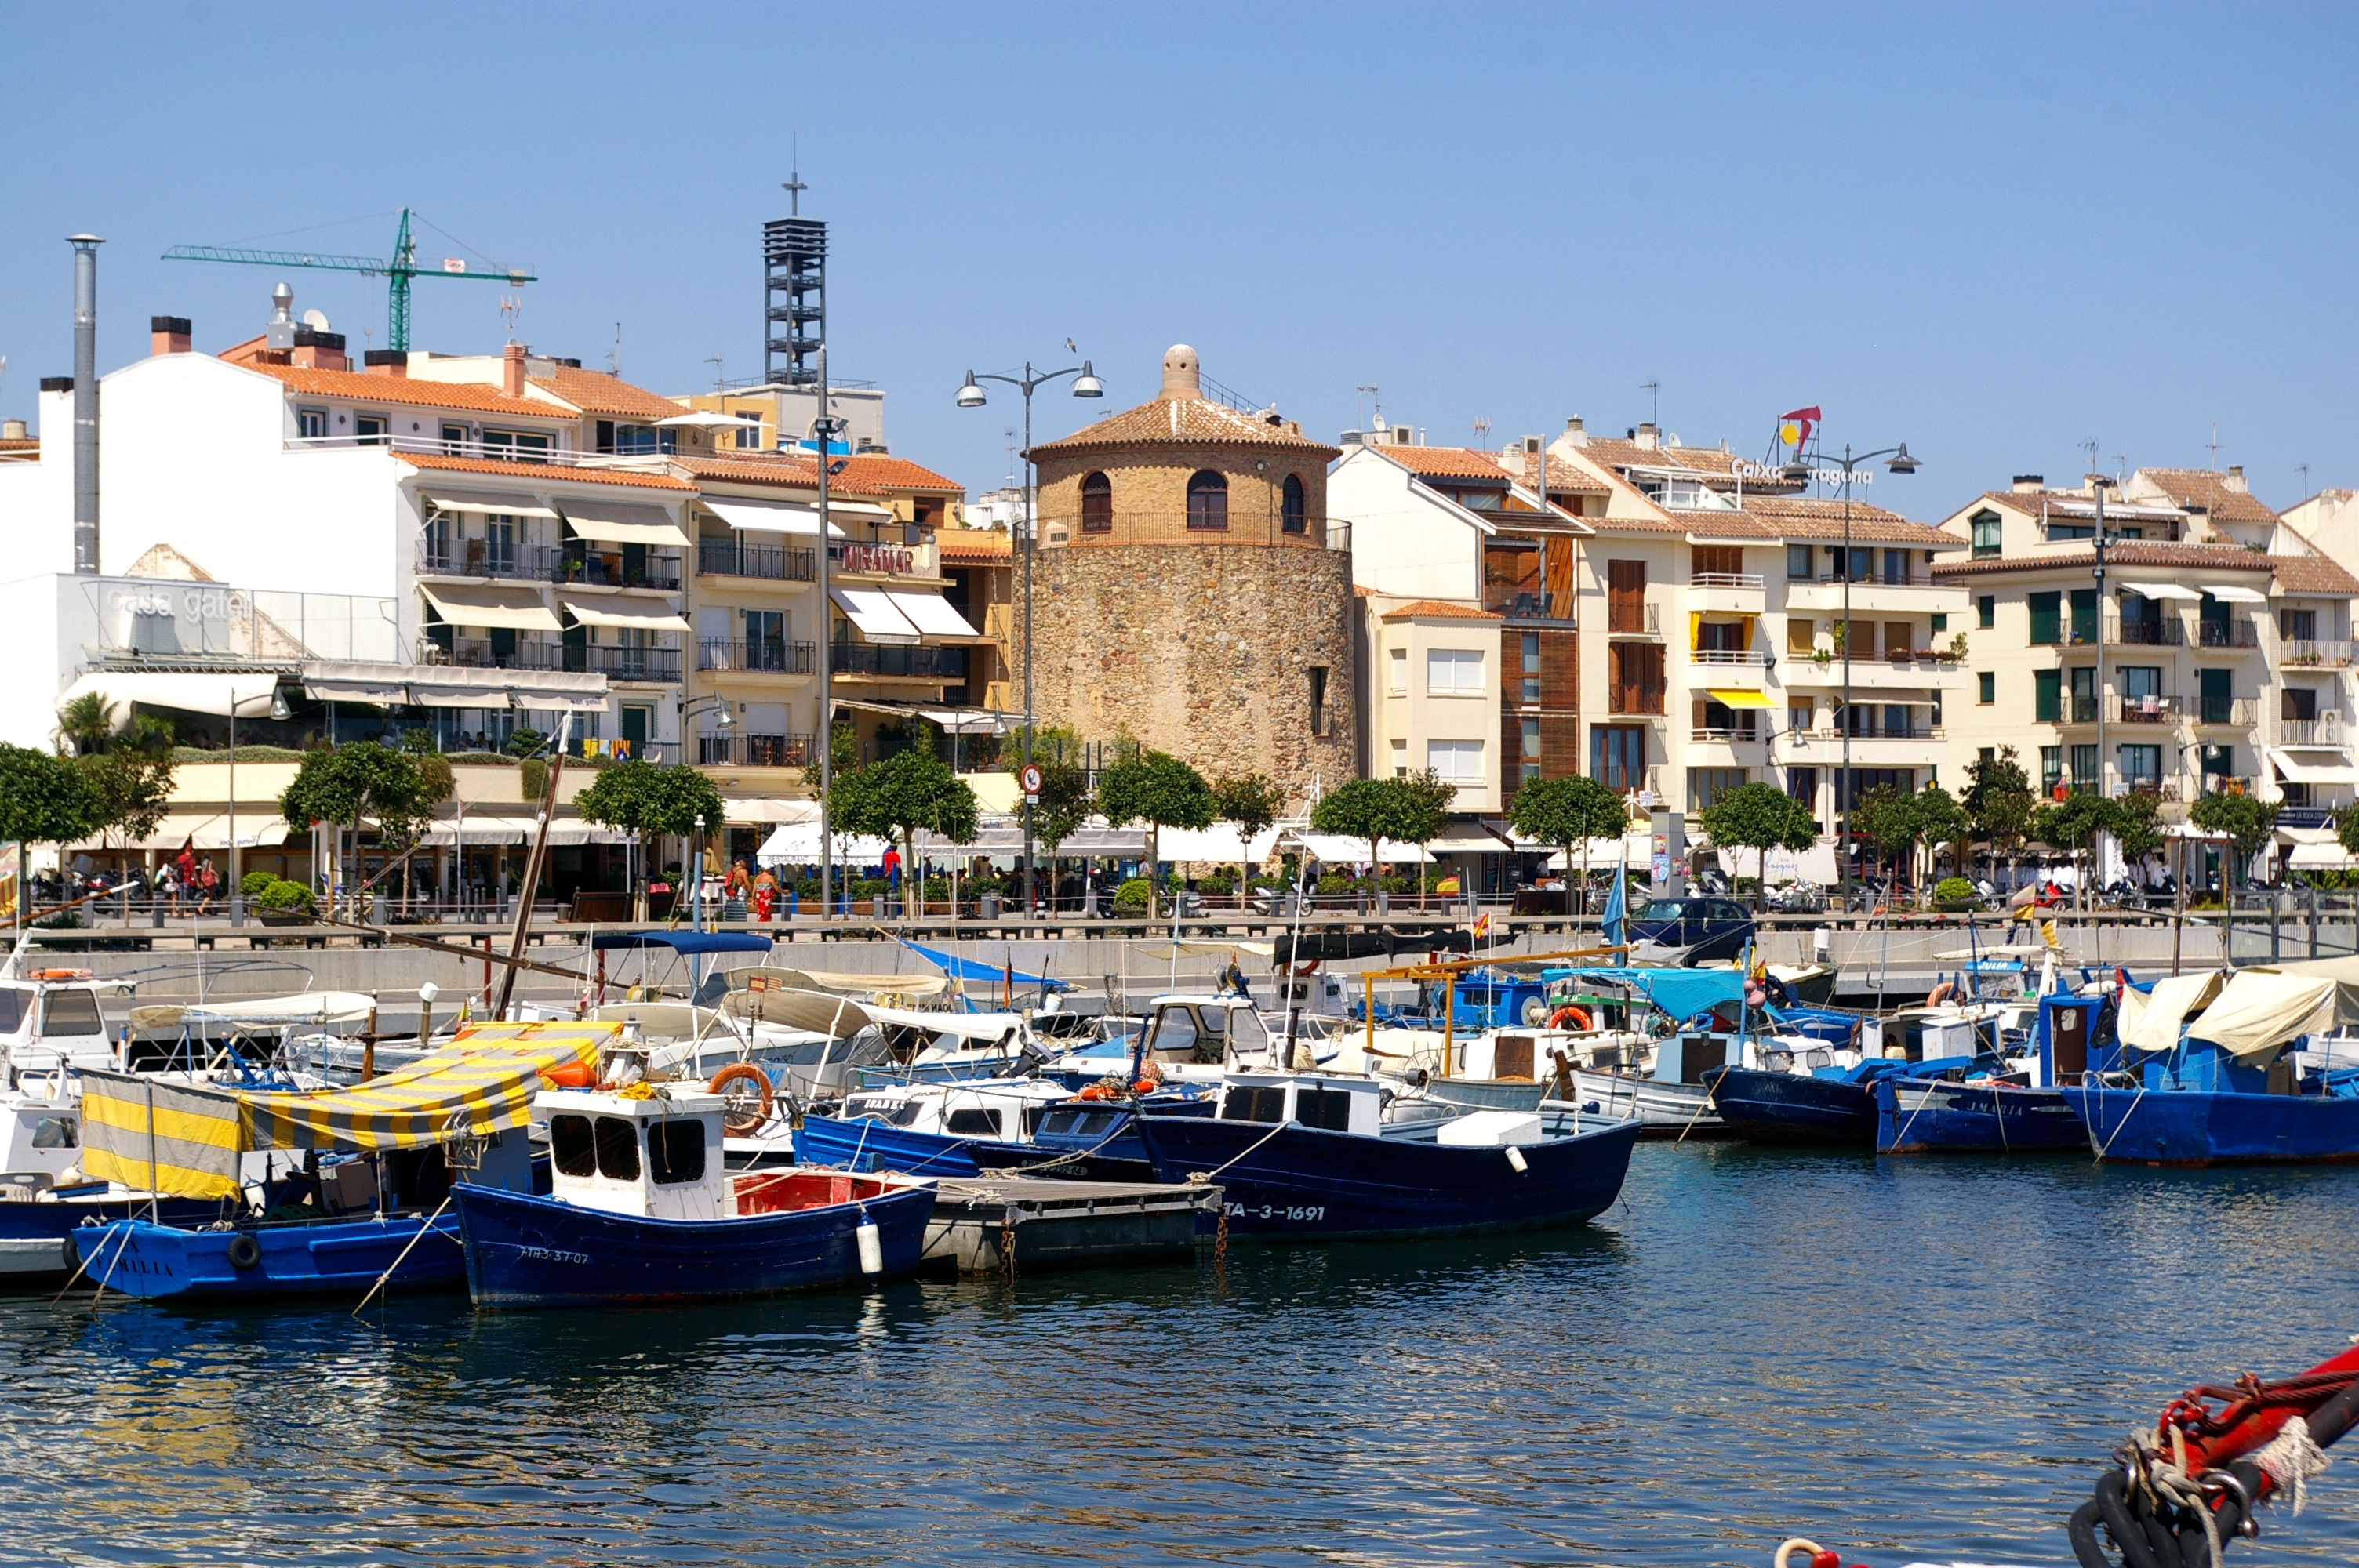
point(970, 395)
point(1800, 472)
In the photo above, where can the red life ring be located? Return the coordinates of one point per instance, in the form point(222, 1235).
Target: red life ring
point(1569, 1014)
point(1941, 993)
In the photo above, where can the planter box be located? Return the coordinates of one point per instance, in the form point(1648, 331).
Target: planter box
point(283, 916)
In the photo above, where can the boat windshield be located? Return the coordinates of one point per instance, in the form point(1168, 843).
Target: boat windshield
point(13, 1008)
point(1247, 1030)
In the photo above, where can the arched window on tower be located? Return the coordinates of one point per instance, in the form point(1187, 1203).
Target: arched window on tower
point(1208, 500)
point(1097, 505)
point(1290, 512)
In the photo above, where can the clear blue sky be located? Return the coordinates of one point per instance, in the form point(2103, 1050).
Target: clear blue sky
point(1990, 232)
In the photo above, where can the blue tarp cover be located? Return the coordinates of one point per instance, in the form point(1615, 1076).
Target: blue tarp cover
point(1683, 993)
point(685, 941)
point(959, 968)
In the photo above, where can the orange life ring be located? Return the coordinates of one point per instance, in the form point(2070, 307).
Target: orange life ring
point(572, 1075)
point(1569, 1014)
point(1091, 1091)
point(735, 1118)
point(1941, 993)
point(1146, 1085)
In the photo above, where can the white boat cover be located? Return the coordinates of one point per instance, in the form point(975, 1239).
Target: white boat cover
point(2343, 972)
point(2150, 1022)
point(2258, 1011)
point(311, 1007)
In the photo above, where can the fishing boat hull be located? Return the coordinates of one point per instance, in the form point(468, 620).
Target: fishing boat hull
point(863, 1144)
point(37, 1239)
point(331, 1257)
point(1794, 1108)
point(1661, 1109)
point(1486, 1094)
point(1294, 1182)
point(2181, 1126)
point(1916, 1116)
point(526, 1251)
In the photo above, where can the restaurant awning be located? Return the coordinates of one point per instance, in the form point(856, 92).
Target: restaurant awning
point(190, 691)
point(485, 501)
point(797, 844)
point(623, 522)
point(506, 606)
point(480, 832)
point(932, 615)
point(1337, 849)
point(770, 516)
point(628, 614)
point(2235, 595)
point(2301, 772)
point(1728, 697)
point(258, 827)
point(873, 610)
point(1466, 839)
point(2161, 590)
point(465, 685)
point(422, 695)
point(2322, 857)
point(1220, 844)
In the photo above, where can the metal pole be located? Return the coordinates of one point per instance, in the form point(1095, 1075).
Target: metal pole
point(826, 723)
point(1846, 790)
point(237, 895)
point(85, 403)
point(2099, 488)
point(1031, 527)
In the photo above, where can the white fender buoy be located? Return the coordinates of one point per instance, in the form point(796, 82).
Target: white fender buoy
point(872, 1246)
point(1515, 1157)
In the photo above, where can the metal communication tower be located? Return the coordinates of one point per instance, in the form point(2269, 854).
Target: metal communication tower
point(794, 272)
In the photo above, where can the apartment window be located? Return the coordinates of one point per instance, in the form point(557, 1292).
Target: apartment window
point(1633, 676)
point(1986, 689)
point(1987, 610)
point(1318, 699)
point(1208, 500)
point(1097, 505)
point(1797, 562)
point(749, 432)
point(1899, 638)
point(1985, 535)
point(1457, 762)
point(2298, 703)
point(1859, 638)
point(1626, 596)
point(2298, 625)
point(1530, 690)
point(2084, 696)
point(766, 639)
point(1511, 578)
point(1940, 622)
point(2141, 686)
point(2052, 768)
point(1708, 785)
point(1859, 567)
point(1802, 785)
point(1453, 672)
point(311, 423)
point(1802, 716)
point(2084, 616)
point(1399, 672)
point(1802, 634)
point(1400, 758)
point(371, 430)
point(2047, 696)
point(524, 447)
point(1617, 756)
point(1292, 514)
point(1895, 566)
point(2141, 766)
point(454, 438)
point(499, 545)
point(1530, 750)
point(2084, 767)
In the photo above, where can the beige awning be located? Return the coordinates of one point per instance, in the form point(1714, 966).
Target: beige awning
point(873, 610)
point(188, 690)
point(770, 516)
point(425, 696)
point(508, 606)
point(488, 500)
point(932, 615)
point(2300, 772)
point(623, 522)
point(2150, 1022)
point(629, 614)
point(2258, 1012)
point(2161, 590)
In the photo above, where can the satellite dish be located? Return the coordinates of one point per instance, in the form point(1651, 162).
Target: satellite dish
point(316, 319)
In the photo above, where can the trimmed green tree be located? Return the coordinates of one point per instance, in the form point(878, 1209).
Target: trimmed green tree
point(45, 799)
point(1566, 811)
point(2246, 821)
point(1760, 818)
point(1433, 800)
point(1378, 810)
point(1161, 791)
point(364, 782)
point(1942, 820)
point(2071, 825)
point(897, 796)
point(134, 779)
point(644, 797)
point(1251, 801)
point(1999, 801)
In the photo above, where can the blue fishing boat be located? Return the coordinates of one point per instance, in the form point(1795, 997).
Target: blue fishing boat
point(37, 1237)
point(643, 1209)
point(2003, 1107)
point(1307, 1157)
point(141, 1258)
point(2234, 1088)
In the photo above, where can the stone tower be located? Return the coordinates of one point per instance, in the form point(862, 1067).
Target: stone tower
point(1193, 593)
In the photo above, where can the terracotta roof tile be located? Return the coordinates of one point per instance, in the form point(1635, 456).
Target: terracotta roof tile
point(2130, 553)
point(2313, 574)
point(1563, 479)
point(1616, 452)
point(896, 473)
point(1816, 517)
point(1438, 610)
point(595, 391)
point(1448, 462)
point(549, 473)
point(408, 392)
point(782, 469)
point(1186, 421)
point(2203, 488)
point(974, 544)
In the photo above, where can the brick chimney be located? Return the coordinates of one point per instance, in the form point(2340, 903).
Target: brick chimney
point(2236, 479)
point(1649, 437)
point(315, 350)
point(512, 371)
point(386, 361)
point(167, 334)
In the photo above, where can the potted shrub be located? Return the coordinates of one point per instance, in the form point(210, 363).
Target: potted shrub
point(284, 903)
point(1953, 895)
point(1130, 899)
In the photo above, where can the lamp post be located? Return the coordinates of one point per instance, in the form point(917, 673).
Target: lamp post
point(823, 429)
point(1798, 472)
point(722, 720)
point(1085, 384)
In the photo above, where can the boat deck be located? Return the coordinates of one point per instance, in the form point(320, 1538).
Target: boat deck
point(999, 1224)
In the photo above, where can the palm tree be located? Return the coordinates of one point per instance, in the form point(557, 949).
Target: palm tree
point(86, 723)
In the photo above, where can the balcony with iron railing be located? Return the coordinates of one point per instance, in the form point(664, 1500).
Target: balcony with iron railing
point(478, 558)
point(617, 569)
point(2228, 634)
point(1725, 580)
point(2150, 709)
point(2330, 727)
point(897, 662)
point(882, 558)
point(2238, 713)
point(2312, 652)
point(2131, 631)
point(740, 750)
point(621, 663)
point(739, 655)
point(1753, 657)
point(480, 653)
point(737, 557)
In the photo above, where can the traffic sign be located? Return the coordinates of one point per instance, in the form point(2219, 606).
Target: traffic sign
point(1030, 778)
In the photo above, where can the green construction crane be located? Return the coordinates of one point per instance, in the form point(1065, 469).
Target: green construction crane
point(398, 271)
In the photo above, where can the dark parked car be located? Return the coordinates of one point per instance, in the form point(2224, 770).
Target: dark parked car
point(1711, 930)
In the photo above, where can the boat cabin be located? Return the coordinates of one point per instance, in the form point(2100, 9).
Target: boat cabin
point(1921, 1035)
point(1007, 1112)
point(656, 1158)
point(1205, 1030)
point(49, 1018)
point(2075, 1038)
point(41, 1138)
point(1316, 1101)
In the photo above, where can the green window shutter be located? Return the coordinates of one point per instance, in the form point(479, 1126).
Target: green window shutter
point(2046, 611)
point(2046, 696)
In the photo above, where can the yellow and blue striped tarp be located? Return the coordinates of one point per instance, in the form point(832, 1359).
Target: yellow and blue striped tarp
point(483, 1083)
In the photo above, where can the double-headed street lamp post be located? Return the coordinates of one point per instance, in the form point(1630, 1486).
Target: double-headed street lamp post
point(1086, 384)
point(1798, 472)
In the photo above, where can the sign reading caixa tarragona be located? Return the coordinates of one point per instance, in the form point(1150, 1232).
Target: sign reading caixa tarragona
point(1823, 476)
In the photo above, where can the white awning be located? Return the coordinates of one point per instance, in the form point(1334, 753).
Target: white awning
point(1468, 839)
point(621, 523)
point(484, 832)
point(964, 721)
point(1815, 864)
point(508, 606)
point(1337, 849)
point(258, 827)
point(704, 419)
point(2161, 590)
point(873, 610)
point(2235, 595)
point(425, 696)
point(488, 500)
point(2294, 771)
point(931, 614)
point(744, 811)
point(2322, 857)
point(797, 844)
point(640, 614)
point(1220, 844)
point(386, 693)
point(770, 516)
point(189, 691)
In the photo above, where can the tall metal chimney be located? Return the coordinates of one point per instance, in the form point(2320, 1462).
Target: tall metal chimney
point(85, 408)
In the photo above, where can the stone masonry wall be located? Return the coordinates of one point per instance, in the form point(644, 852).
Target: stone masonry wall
point(1202, 653)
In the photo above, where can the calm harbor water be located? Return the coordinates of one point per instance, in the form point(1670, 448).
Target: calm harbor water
point(1903, 1357)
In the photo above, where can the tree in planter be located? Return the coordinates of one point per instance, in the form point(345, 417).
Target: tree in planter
point(2071, 825)
point(366, 782)
point(1566, 811)
point(86, 724)
point(1376, 810)
point(1886, 818)
point(2138, 825)
point(45, 799)
point(900, 794)
point(1942, 820)
point(1999, 802)
point(1760, 818)
point(1251, 801)
point(1433, 799)
point(1161, 791)
point(2244, 821)
point(674, 802)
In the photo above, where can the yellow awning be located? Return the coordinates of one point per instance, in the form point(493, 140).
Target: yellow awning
point(1732, 698)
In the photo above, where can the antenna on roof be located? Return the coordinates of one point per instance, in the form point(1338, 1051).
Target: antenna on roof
point(714, 360)
point(511, 307)
point(794, 186)
point(1655, 387)
point(1371, 390)
point(1482, 434)
point(2215, 444)
point(2303, 467)
point(614, 354)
